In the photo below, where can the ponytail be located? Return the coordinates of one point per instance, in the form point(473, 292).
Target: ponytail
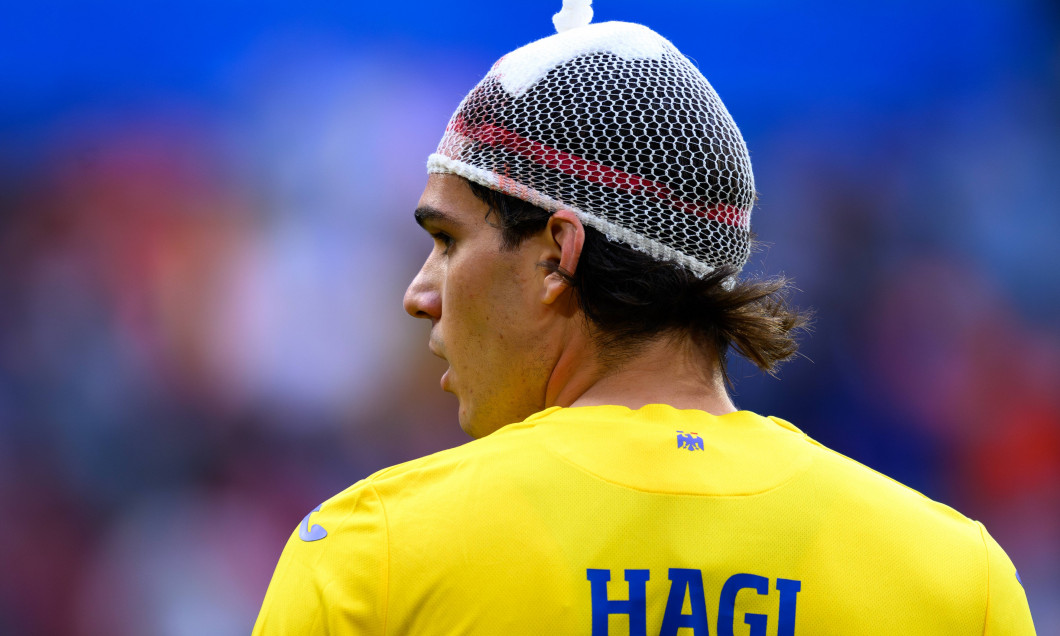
point(630, 298)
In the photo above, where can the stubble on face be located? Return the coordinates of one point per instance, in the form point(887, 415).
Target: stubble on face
point(491, 325)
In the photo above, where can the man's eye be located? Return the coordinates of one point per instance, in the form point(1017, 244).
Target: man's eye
point(443, 239)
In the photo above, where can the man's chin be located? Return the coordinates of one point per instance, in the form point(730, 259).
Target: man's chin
point(467, 423)
point(479, 425)
point(474, 424)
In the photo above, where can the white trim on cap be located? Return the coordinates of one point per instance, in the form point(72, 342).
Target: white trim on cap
point(440, 164)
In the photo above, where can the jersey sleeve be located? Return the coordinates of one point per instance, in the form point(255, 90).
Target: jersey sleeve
point(332, 575)
point(1007, 612)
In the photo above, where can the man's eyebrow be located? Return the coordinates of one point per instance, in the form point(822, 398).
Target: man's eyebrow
point(426, 214)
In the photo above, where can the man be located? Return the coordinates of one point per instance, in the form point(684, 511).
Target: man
point(589, 206)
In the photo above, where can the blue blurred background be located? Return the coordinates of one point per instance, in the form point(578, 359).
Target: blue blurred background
point(206, 231)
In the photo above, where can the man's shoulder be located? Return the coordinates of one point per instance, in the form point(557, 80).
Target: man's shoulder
point(458, 463)
point(847, 486)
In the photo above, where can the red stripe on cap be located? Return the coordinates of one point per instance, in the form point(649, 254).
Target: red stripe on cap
point(594, 172)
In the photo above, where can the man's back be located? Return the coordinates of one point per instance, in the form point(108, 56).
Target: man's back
point(581, 520)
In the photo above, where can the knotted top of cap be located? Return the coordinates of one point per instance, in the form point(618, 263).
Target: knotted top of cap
point(574, 14)
point(612, 122)
point(522, 68)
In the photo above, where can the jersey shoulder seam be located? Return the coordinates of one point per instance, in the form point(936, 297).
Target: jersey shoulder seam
point(986, 557)
point(386, 569)
point(873, 471)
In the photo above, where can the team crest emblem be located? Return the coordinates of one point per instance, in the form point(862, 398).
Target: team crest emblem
point(690, 441)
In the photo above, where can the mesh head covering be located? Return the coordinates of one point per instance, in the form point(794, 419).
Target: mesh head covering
point(612, 122)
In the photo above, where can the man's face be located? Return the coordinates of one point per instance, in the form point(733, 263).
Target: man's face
point(484, 303)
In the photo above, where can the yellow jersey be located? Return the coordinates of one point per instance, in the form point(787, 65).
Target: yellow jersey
point(606, 520)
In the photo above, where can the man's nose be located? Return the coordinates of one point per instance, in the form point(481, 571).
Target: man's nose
point(422, 298)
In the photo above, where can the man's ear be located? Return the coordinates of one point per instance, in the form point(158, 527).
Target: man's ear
point(567, 235)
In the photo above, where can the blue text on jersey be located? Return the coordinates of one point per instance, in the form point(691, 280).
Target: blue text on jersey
point(688, 583)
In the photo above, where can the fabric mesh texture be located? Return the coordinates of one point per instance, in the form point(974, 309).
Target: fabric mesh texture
point(636, 142)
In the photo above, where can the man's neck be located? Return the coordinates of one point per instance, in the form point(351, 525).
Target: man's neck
point(667, 370)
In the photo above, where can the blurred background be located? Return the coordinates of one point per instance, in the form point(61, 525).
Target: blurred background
point(206, 231)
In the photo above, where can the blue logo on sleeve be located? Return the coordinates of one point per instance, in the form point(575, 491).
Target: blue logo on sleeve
point(309, 533)
point(689, 440)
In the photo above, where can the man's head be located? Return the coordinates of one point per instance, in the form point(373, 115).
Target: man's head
point(501, 313)
point(611, 122)
point(603, 195)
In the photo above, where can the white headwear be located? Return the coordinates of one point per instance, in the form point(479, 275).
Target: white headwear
point(611, 122)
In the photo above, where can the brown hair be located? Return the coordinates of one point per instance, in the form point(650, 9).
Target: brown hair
point(629, 297)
